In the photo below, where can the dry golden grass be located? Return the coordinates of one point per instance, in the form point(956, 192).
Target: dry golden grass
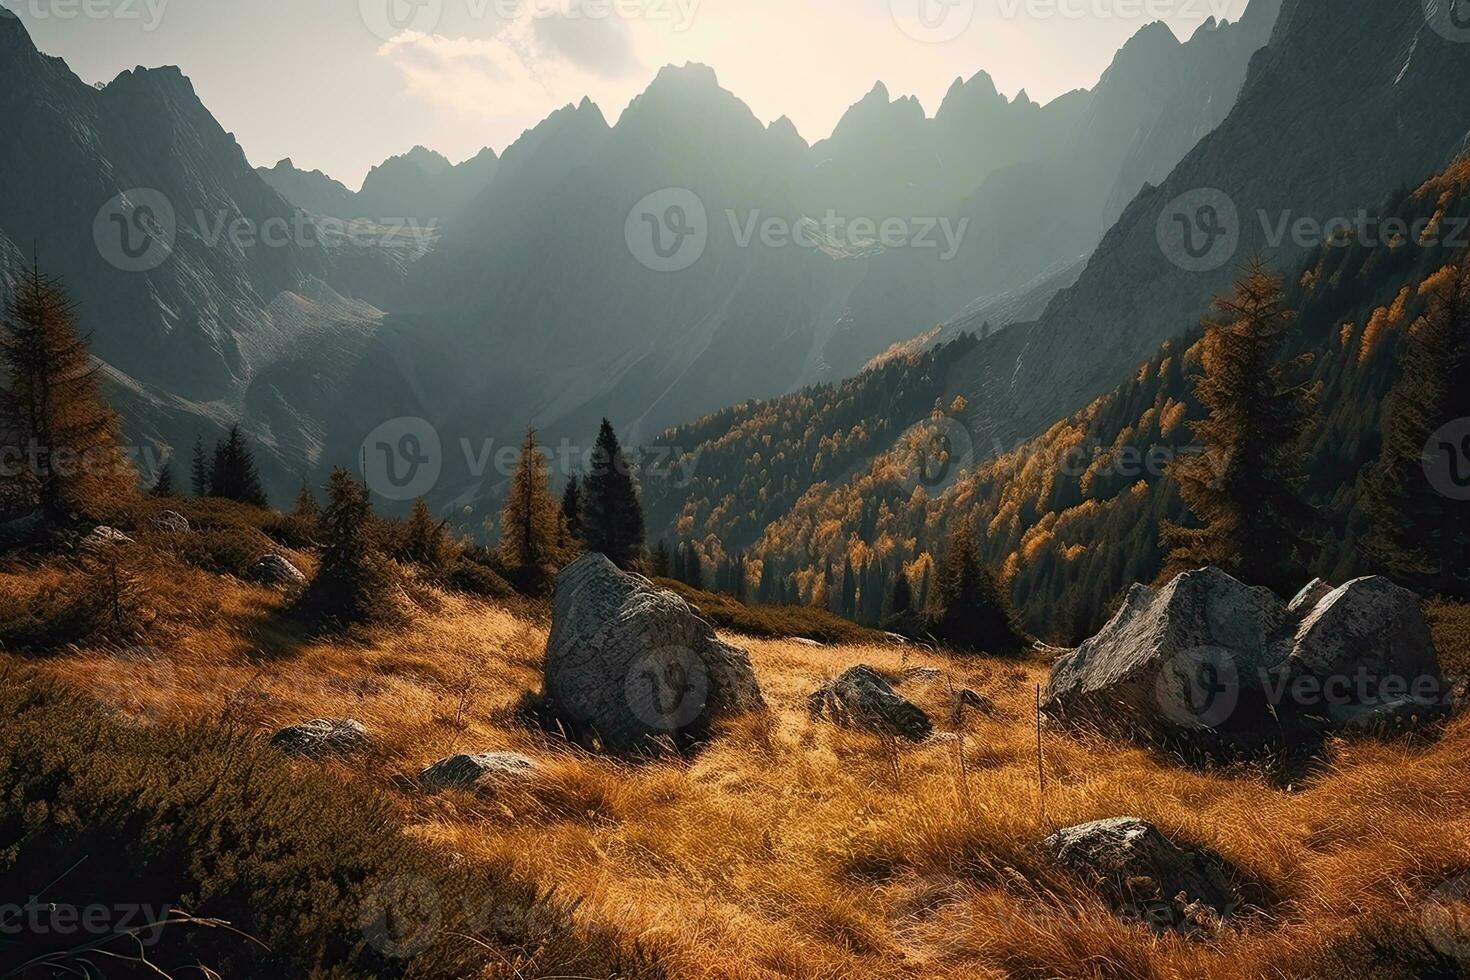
point(790, 848)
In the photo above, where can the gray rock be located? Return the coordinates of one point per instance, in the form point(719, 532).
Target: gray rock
point(861, 698)
point(1312, 593)
point(631, 664)
point(103, 537)
point(1181, 664)
point(1369, 628)
point(1144, 875)
point(275, 570)
point(481, 771)
point(1207, 663)
point(322, 736)
point(173, 521)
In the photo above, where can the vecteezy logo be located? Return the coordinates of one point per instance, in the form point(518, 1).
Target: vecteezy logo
point(137, 685)
point(1449, 18)
point(135, 231)
point(668, 230)
point(1447, 459)
point(1199, 231)
point(1199, 687)
point(933, 21)
point(400, 918)
point(933, 453)
point(389, 18)
point(402, 458)
point(668, 688)
point(1446, 918)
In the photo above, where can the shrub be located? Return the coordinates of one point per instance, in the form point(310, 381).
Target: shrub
point(103, 603)
point(310, 872)
point(476, 579)
point(773, 622)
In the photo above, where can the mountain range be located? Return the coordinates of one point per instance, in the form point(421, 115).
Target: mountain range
point(534, 303)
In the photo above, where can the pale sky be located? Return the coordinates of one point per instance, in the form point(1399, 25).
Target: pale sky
point(339, 85)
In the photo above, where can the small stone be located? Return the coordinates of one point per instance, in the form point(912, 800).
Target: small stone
point(275, 570)
point(480, 771)
point(322, 736)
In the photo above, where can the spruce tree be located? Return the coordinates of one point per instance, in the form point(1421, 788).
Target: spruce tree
point(1420, 527)
point(903, 595)
point(612, 517)
point(353, 584)
point(530, 520)
point(163, 486)
point(660, 564)
point(52, 414)
point(693, 566)
point(233, 475)
point(200, 478)
point(969, 609)
point(571, 510)
point(1244, 486)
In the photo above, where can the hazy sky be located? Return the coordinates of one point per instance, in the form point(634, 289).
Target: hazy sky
point(339, 85)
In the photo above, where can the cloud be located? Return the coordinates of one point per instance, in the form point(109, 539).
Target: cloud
point(539, 55)
point(601, 46)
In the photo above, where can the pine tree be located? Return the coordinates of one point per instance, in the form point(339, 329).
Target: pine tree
point(53, 413)
point(164, 485)
point(233, 475)
point(660, 563)
point(1419, 535)
point(969, 610)
point(612, 517)
point(200, 478)
point(353, 584)
point(530, 520)
point(1244, 487)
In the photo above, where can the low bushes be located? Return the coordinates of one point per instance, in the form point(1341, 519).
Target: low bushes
point(109, 830)
point(773, 622)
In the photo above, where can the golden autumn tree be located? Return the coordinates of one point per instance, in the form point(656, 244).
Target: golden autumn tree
point(62, 439)
point(530, 521)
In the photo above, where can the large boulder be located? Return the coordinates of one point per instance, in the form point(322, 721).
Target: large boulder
point(321, 736)
point(1181, 664)
point(480, 772)
point(1145, 876)
point(861, 698)
point(633, 666)
point(1207, 663)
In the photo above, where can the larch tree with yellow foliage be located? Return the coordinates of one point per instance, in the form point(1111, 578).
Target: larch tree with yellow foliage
point(65, 456)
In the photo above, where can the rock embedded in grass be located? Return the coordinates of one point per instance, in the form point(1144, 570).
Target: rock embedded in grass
point(1145, 876)
point(632, 667)
point(321, 737)
point(480, 771)
point(860, 698)
point(276, 571)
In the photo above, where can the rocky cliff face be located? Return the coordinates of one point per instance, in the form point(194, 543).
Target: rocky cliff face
point(1337, 110)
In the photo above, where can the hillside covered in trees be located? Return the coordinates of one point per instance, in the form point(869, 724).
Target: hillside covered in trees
point(839, 476)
